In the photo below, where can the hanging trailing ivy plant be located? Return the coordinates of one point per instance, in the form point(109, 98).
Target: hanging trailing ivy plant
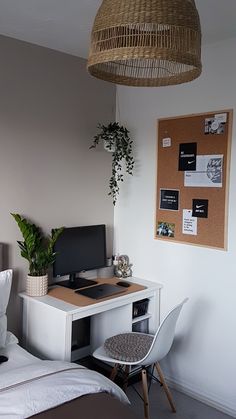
point(116, 139)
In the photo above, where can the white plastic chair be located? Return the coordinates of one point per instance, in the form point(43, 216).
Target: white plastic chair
point(161, 344)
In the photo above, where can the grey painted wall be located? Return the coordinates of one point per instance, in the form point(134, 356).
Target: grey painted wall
point(49, 111)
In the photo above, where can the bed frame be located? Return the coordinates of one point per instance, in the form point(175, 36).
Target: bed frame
point(92, 406)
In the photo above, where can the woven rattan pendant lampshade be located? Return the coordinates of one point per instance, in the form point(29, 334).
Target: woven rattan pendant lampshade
point(146, 42)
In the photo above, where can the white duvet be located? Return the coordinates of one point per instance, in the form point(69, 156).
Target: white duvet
point(41, 385)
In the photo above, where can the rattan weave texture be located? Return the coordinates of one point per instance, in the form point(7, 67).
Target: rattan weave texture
point(146, 42)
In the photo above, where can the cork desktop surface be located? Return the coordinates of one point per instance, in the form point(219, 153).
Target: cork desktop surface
point(70, 296)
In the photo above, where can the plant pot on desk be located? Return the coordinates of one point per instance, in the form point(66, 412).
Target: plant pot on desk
point(36, 286)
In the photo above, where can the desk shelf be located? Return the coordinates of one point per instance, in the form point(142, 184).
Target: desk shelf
point(141, 318)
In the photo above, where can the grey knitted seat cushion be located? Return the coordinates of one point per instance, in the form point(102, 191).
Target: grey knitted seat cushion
point(131, 347)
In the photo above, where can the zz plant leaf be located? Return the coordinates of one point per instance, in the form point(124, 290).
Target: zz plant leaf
point(36, 248)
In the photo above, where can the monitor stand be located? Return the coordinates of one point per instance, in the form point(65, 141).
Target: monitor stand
point(76, 283)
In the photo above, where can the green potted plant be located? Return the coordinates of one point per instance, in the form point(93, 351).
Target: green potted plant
point(38, 250)
point(116, 139)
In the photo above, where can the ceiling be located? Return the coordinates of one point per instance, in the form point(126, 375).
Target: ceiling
point(65, 25)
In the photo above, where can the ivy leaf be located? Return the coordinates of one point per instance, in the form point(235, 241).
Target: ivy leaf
point(116, 133)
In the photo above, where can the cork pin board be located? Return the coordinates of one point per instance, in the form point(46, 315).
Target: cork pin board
point(193, 158)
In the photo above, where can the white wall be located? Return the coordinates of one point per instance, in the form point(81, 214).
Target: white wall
point(49, 111)
point(202, 361)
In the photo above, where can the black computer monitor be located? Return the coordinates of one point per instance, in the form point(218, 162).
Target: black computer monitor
point(79, 249)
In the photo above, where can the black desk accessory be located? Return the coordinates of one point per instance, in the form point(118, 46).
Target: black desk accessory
point(77, 283)
point(101, 291)
point(123, 284)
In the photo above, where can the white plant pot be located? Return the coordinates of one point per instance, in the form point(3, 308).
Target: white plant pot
point(36, 286)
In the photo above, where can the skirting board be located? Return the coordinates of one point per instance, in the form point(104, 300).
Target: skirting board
point(204, 398)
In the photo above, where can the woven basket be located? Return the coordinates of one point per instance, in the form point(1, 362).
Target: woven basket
point(146, 42)
point(36, 286)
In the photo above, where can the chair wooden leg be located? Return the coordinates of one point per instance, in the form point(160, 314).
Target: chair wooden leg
point(165, 386)
point(126, 377)
point(114, 372)
point(145, 394)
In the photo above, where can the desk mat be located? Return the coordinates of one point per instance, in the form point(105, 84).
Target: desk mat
point(69, 296)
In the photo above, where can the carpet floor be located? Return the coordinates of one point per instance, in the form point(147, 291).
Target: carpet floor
point(187, 408)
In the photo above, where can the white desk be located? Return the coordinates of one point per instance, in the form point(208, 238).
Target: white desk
point(48, 322)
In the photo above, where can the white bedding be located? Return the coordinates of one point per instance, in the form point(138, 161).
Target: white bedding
point(22, 394)
point(17, 357)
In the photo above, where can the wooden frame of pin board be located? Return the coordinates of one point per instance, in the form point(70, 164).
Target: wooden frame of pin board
point(209, 184)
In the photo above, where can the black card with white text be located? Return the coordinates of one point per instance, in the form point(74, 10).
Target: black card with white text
point(200, 208)
point(169, 199)
point(187, 156)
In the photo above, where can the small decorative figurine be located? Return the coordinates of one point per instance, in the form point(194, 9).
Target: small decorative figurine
point(123, 267)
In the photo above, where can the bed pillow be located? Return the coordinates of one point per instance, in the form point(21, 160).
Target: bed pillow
point(5, 288)
point(11, 339)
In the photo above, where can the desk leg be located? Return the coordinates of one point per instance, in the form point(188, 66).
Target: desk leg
point(68, 338)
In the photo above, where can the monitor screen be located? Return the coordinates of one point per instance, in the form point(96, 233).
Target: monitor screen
point(80, 249)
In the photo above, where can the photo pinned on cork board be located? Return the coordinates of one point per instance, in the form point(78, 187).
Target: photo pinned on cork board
point(207, 138)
